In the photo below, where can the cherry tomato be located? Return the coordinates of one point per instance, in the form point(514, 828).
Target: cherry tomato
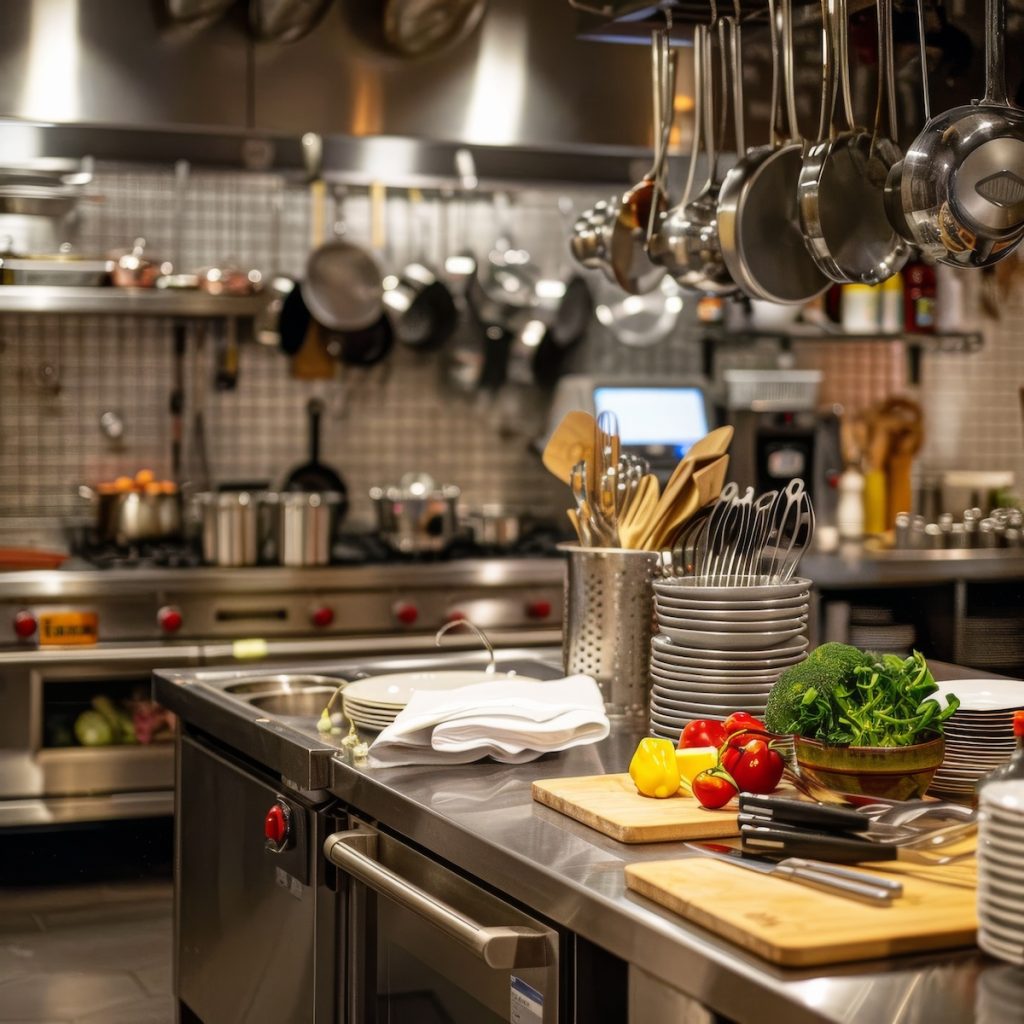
point(752, 762)
point(740, 720)
point(714, 788)
point(705, 732)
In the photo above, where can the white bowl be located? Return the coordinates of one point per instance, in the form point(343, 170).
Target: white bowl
point(705, 604)
point(738, 615)
point(740, 701)
point(665, 620)
point(784, 654)
point(697, 587)
point(667, 686)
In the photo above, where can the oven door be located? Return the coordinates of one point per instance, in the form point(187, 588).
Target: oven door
point(427, 946)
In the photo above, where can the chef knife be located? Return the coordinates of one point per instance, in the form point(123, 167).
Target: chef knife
point(866, 891)
point(787, 842)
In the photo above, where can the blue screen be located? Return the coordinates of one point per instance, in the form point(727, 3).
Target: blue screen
point(673, 417)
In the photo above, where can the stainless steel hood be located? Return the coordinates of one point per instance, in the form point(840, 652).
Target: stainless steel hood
point(521, 89)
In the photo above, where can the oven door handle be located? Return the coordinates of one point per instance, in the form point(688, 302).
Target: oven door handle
point(503, 948)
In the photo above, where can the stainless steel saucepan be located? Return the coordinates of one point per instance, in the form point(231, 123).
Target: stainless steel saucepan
point(842, 183)
point(758, 221)
point(962, 186)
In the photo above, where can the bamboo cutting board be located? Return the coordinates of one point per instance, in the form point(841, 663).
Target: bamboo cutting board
point(795, 926)
point(611, 804)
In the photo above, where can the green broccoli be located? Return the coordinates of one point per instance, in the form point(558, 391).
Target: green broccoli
point(798, 688)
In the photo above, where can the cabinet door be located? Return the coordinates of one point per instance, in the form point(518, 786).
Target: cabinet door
point(118, 63)
point(522, 78)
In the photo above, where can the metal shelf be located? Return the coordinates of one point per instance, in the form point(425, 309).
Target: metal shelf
point(110, 301)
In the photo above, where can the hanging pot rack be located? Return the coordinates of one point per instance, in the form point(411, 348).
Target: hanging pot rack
point(628, 15)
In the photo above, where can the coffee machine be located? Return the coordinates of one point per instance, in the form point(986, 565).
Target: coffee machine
point(780, 432)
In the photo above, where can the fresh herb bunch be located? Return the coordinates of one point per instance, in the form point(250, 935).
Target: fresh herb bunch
point(885, 701)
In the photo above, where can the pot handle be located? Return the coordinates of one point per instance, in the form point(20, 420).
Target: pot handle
point(995, 54)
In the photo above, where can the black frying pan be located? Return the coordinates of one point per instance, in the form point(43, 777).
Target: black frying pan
point(314, 476)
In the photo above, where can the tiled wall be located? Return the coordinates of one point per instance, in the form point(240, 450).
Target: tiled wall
point(58, 375)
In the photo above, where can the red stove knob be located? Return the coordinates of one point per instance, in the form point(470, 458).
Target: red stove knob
point(538, 609)
point(25, 625)
point(277, 827)
point(406, 613)
point(169, 618)
point(322, 616)
point(456, 616)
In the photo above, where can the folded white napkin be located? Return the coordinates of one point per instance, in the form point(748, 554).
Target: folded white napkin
point(508, 719)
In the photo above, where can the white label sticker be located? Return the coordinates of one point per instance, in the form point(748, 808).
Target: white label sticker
point(527, 1004)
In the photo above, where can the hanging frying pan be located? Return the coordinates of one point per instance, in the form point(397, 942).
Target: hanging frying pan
point(842, 182)
point(758, 221)
point(962, 185)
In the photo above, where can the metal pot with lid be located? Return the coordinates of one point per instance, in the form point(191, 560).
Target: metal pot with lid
point(417, 515)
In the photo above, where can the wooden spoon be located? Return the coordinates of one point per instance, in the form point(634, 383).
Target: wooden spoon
point(636, 524)
point(572, 441)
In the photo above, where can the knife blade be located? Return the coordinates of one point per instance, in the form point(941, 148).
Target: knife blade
point(867, 891)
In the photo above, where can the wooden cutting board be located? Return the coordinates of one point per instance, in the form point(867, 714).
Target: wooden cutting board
point(611, 804)
point(795, 926)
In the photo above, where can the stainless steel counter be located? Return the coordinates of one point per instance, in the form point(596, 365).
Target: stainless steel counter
point(481, 818)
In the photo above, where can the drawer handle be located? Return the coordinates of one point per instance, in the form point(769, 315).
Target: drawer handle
point(501, 948)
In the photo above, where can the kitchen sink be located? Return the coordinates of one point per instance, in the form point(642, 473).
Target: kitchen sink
point(305, 704)
point(285, 683)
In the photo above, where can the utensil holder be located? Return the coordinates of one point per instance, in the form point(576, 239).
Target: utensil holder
point(609, 622)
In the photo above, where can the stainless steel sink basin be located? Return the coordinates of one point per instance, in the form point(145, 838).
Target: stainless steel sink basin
point(307, 703)
point(285, 682)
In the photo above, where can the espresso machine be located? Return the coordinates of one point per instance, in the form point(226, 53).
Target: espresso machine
point(781, 433)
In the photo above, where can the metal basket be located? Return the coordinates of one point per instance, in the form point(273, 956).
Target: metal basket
point(609, 621)
point(772, 390)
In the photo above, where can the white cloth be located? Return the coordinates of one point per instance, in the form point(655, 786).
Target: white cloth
point(510, 720)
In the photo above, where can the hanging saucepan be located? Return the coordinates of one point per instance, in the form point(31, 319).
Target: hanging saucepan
point(758, 222)
point(421, 302)
point(284, 21)
point(963, 177)
point(632, 218)
point(342, 287)
point(692, 237)
point(413, 28)
point(842, 183)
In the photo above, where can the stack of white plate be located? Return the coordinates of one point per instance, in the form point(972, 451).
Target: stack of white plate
point(721, 649)
point(979, 735)
point(1001, 870)
point(375, 703)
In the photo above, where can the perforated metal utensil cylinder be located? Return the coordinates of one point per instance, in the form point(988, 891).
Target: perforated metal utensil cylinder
point(609, 621)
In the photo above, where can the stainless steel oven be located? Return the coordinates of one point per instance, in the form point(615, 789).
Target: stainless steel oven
point(426, 945)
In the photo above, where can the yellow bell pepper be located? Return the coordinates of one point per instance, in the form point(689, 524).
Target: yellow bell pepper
point(654, 768)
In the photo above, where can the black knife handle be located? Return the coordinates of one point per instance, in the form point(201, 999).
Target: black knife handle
point(816, 845)
point(802, 812)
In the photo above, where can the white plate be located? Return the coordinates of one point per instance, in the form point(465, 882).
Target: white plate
point(785, 655)
point(739, 701)
point(705, 613)
point(984, 694)
point(757, 609)
point(694, 587)
point(668, 686)
point(395, 689)
point(1010, 911)
point(736, 676)
point(1008, 935)
point(710, 625)
point(698, 640)
point(1006, 796)
point(1011, 952)
point(1000, 890)
point(689, 709)
point(997, 855)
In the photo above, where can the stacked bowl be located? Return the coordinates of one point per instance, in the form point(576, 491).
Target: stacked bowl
point(720, 649)
point(1001, 870)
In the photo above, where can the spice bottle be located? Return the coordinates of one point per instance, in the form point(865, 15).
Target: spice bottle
point(919, 293)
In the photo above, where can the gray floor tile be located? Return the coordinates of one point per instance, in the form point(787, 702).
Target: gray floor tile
point(66, 995)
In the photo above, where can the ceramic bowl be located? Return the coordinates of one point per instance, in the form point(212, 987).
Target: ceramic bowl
point(895, 773)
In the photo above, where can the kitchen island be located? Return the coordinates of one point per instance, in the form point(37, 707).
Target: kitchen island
point(481, 820)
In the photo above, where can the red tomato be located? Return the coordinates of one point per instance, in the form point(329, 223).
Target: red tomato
point(713, 788)
point(705, 732)
point(740, 720)
point(752, 762)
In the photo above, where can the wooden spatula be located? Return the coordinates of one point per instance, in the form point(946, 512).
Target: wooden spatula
point(635, 525)
point(702, 487)
point(572, 440)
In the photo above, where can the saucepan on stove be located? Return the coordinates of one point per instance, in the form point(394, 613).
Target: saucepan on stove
point(237, 526)
point(132, 509)
point(417, 515)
